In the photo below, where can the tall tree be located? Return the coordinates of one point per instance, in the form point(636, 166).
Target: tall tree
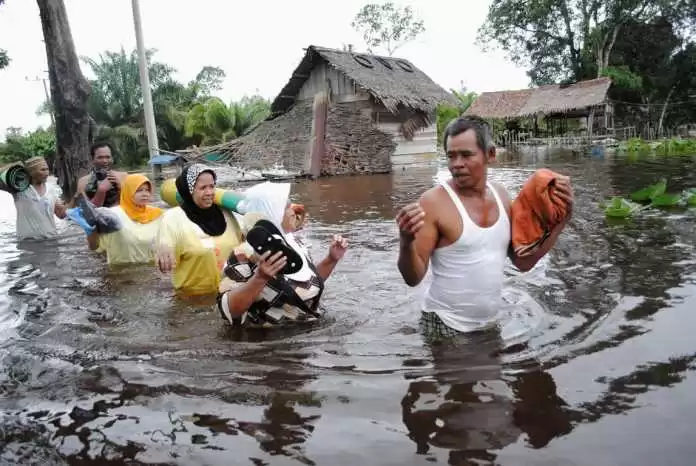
point(565, 39)
point(69, 93)
point(387, 26)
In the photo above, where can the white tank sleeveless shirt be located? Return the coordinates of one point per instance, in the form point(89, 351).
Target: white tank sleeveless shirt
point(467, 276)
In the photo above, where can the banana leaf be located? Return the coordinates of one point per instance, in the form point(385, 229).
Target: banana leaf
point(648, 193)
point(666, 200)
point(619, 207)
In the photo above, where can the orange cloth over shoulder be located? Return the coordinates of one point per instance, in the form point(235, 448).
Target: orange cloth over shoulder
point(536, 212)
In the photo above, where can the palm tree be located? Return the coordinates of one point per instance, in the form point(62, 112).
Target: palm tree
point(213, 122)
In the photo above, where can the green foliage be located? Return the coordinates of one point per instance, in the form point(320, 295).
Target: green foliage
point(655, 196)
point(386, 25)
point(666, 200)
point(650, 192)
point(618, 207)
point(691, 197)
point(19, 146)
point(559, 40)
point(623, 77)
point(116, 106)
point(213, 122)
point(666, 147)
point(446, 113)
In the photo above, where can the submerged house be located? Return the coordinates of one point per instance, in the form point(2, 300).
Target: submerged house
point(586, 101)
point(379, 110)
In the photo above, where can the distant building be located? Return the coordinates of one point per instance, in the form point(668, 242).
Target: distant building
point(586, 101)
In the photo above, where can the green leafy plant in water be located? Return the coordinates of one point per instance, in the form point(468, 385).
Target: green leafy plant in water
point(690, 197)
point(676, 146)
point(665, 147)
point(649, 193)
point(635, 145)
point(667, 200)
point(619, 207)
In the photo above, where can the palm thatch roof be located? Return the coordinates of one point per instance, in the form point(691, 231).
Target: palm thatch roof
point(395, 82)
point(547, 100)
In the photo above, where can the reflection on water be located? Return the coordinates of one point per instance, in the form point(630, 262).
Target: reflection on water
point(105, 366)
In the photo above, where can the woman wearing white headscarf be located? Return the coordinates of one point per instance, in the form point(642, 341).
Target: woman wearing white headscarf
point(255, 292)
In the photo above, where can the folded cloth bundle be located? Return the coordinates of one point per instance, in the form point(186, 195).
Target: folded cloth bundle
point(536, 212)
point(100, 219)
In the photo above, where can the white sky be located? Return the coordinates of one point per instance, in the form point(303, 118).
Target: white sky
point(257, 43)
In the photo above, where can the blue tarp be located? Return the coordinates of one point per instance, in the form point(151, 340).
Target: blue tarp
point(163, 159)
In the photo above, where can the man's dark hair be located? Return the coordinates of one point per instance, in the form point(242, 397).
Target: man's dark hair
point(98, 145)
point(484, 138)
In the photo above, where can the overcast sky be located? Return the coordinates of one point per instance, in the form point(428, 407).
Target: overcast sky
point(257, 43)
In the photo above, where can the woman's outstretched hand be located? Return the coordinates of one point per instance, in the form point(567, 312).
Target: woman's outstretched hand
point(338, 247)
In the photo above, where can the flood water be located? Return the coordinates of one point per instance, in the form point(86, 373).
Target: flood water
point(593, 365)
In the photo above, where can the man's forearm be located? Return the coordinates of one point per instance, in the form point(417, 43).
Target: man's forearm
point(410, 265)
point(527, 263)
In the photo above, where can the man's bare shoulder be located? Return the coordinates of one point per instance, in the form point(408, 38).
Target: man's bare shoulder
point(501, 190)
point(432, 197)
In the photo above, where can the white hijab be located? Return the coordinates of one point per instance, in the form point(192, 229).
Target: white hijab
point(270, 200)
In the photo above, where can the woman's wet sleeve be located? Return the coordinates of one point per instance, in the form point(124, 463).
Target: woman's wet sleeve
point(167, 233)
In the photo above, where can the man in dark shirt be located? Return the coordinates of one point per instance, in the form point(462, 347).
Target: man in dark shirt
point(102, 185)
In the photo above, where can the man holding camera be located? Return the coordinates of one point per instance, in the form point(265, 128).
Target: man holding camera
point(102, 185)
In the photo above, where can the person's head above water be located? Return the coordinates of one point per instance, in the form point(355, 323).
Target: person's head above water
point(101, 156)
point(196, 186)
point(469, 146)
point(38, 169)
point(135, 195)
point(272, 201)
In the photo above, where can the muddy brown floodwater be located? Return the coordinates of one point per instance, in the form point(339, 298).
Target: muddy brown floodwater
point(594, 364)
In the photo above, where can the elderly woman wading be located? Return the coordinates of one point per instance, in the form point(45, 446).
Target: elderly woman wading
point(195, 238)
point(255, 292)
point(39, 204)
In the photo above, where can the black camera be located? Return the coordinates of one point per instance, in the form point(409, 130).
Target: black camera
point(101, 174)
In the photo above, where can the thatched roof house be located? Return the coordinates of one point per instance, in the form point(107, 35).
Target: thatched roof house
point(396, 83)
point(377, 107)
point(571, 100)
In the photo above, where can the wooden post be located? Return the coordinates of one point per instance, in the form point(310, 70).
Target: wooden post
point(318, 144)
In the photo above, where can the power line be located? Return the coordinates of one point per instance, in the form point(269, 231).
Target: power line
point(659, 104)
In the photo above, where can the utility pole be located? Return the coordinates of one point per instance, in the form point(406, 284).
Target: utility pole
point(152, 144)
point(48, 95)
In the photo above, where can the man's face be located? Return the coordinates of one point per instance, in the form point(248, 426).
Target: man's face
point(102, 158)
point(466, 161)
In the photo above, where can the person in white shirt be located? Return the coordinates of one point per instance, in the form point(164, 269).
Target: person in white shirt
point(461, 230)
point(38, 205)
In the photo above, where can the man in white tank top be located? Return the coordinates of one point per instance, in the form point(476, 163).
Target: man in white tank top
point(463, 228)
